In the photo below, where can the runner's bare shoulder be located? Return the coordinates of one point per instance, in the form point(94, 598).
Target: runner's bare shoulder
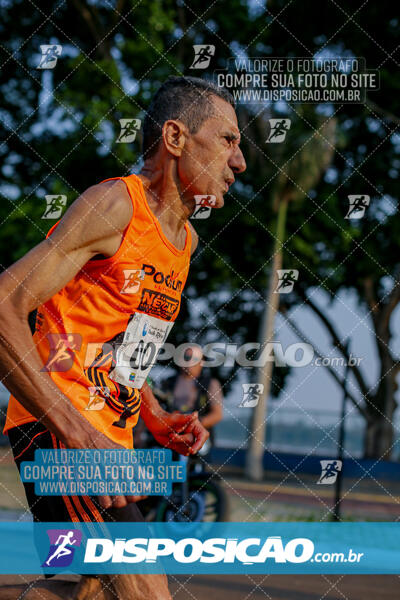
point(96, 219)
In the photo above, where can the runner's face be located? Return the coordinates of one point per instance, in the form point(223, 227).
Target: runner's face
point(211, 157)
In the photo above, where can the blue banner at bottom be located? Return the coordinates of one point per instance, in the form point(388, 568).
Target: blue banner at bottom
point(201, 548)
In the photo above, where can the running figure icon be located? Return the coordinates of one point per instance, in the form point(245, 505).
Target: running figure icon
point(62, 550)
point(357, 206)
point(330, 471)
point(55, 205)
point(203, 54)
point(287, 279)
point(50, 54)
point(279, 129)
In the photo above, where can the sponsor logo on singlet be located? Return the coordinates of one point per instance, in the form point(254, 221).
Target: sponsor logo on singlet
point(170, 281)
point(158, 304)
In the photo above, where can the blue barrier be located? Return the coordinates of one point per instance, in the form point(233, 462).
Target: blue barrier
point(298, 463)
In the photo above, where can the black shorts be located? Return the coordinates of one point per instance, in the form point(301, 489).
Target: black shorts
point(29, 437)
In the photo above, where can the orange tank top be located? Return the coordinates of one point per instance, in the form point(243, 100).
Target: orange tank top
point(99, 335)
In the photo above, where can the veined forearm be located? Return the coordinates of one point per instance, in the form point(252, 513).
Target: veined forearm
point(20, 371)
point(150, 407)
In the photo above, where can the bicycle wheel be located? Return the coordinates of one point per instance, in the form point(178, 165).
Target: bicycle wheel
point(207, 502)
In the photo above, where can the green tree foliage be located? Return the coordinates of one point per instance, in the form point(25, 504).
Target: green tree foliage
point(60, 126)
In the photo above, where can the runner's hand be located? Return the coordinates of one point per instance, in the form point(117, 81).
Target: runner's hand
point(88, 437)
point(118, 501)
point(182, 433)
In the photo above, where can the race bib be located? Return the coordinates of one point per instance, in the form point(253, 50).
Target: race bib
point(138, 351)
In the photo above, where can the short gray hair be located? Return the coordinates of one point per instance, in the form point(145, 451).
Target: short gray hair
point(183, 98)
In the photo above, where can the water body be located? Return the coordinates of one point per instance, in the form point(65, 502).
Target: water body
point(14, 515)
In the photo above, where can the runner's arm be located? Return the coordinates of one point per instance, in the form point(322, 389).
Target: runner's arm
point(182, 433)
point(92, 225)
point(215, 398)
point(195, 238)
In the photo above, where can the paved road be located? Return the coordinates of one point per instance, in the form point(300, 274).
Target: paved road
point(270, 500)
point(292, 587)
point(232, 587)
point(283, 500)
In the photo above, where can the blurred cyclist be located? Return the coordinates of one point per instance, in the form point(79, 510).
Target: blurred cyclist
point(192, 389)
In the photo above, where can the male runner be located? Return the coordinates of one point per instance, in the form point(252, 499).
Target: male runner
point(112, 269)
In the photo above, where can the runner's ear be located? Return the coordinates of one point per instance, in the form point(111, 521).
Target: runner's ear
point(174, 136)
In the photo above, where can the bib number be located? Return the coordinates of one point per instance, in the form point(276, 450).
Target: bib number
point(138, 351)
point(144, 355)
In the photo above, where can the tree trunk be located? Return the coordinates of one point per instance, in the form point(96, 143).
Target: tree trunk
point(378, 439)
point(254, 468)
point(256, 449)
point(379, 434)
